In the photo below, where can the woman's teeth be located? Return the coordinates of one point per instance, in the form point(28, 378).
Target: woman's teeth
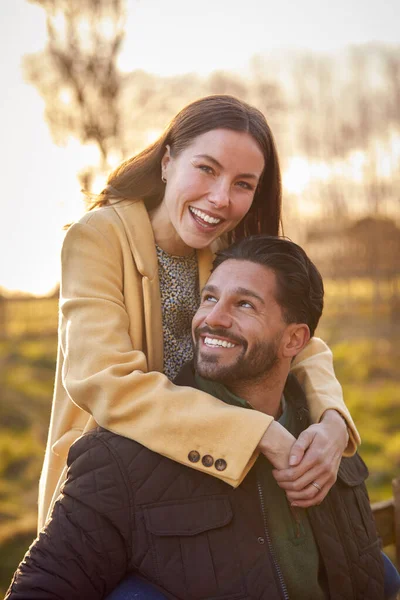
point(215, 342)
point(203, 216)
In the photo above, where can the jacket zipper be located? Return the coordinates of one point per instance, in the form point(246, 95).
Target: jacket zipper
point(269, 543)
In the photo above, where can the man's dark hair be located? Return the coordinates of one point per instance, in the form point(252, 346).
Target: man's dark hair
point(300, 290)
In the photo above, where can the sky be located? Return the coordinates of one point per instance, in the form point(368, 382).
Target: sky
point(40, 191)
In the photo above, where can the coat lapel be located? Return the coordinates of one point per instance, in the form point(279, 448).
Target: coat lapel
point(139, 232)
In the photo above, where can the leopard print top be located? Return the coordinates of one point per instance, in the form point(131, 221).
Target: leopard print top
point(180, 297)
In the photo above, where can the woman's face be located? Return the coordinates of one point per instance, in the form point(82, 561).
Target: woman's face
point(210, 187)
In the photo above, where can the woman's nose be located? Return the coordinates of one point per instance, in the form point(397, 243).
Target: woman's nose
point(219, 195)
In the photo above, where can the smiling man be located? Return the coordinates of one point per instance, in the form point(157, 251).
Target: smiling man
point(126, 510)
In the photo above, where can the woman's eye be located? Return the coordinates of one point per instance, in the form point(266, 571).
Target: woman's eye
point(245, 185)
point(206, 169)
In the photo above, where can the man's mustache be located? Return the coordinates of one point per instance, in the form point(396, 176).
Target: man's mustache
point(219, 332)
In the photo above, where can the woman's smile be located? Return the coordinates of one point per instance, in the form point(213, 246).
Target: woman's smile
point(206, 220)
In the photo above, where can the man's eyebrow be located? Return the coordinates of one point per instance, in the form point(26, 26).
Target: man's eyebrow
point(239, 291)
point(210, 288)
point(218, 164)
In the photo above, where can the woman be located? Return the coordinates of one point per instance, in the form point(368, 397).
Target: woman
point(131, 272)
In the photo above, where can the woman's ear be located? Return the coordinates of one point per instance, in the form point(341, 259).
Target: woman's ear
point(165, 162)
point(295, 338)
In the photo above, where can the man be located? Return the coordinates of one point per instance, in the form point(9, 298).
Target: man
point(126, 509)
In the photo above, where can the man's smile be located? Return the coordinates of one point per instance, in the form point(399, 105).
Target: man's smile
point(213, 342)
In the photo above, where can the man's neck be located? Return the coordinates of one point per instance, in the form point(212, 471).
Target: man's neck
point(265, 394)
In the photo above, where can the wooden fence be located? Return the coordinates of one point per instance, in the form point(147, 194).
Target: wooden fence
point(387, 518)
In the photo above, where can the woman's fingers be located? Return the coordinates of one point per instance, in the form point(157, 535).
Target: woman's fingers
point(322, 446)
point(311, 496)
point(316, 474)
point(315, 458)
point(300, 447)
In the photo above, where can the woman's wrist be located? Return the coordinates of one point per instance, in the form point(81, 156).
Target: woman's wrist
point(276, 444)
point(336, 419)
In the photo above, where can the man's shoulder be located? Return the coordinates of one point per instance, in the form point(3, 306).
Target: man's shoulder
point(294, 393)
point(100, 446)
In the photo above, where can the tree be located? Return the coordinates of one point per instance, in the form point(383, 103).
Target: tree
point(77, 73)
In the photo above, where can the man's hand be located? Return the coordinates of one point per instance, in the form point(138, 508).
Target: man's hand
point(314, 459)
point(276, 444)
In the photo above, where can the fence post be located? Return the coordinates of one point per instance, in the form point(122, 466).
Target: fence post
point(396, 498)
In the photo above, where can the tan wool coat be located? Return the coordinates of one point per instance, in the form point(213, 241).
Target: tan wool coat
point(110, 360)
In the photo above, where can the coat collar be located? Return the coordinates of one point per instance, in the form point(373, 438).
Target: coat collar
point(135, 219)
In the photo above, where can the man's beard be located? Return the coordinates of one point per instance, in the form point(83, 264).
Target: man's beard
point(261, 359)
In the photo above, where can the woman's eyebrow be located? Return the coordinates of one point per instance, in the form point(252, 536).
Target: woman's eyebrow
point(218, 164)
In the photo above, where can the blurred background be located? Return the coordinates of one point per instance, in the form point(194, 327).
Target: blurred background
point(86, 83)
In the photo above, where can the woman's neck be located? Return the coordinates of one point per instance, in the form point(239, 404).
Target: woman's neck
point(165, 234)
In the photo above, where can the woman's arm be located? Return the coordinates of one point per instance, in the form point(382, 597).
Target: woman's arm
point(105, 375)
point(313, 367)
point(85, 547)
point(315, 456)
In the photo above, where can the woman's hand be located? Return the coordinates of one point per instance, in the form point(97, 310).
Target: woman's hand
point(314, 461)
point(276, 445)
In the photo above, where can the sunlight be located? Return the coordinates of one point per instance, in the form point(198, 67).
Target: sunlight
point(65, 96)
point(152, 135)
point(297, 176)
point(106, 28)
point(395, 145)
point(59, 23)
point(356, 163)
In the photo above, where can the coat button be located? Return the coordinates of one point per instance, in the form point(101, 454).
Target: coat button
point(261, 540)
point(194, 456)
point(207, 460)
point(220, 464)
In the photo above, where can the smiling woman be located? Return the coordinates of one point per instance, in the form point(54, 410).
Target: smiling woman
point(132, 270)
point(211, 187)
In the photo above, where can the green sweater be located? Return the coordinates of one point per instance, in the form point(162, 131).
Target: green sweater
point(289, 529)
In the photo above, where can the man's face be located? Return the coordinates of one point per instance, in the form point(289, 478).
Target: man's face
point(239, 325)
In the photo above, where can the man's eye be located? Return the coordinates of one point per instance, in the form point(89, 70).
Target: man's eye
point(245, 304)
point(209, 298)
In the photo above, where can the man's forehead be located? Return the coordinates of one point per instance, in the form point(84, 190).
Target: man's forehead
point(241, 276)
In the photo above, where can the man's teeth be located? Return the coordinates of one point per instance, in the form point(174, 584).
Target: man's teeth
point(215, 342)
point(203, 216)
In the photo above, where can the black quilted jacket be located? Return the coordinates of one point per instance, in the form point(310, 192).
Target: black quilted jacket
point(125, 508)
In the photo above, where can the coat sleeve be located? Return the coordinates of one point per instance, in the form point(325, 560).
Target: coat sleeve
point(84, 549)
point(314, 370)
point(107, 377)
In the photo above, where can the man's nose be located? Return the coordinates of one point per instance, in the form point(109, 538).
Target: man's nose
point(219, 317)
point(219, 195)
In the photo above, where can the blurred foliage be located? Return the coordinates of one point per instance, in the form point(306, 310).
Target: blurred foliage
point(366, 352)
